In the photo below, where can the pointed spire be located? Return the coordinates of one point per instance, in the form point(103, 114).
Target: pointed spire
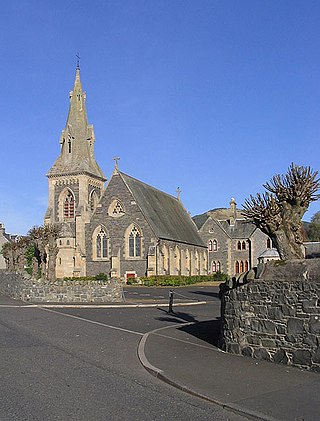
point(77, 139)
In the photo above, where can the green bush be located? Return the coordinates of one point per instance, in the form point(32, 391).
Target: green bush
point(175, 280)
point(101, 277)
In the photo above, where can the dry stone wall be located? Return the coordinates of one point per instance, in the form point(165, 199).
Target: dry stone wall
point(276, 320)
point(16, 286)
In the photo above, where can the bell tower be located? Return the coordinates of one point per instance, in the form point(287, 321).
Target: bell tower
point(76, 183)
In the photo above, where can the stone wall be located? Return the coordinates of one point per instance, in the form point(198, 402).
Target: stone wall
point(276, 319)
point(16, 286)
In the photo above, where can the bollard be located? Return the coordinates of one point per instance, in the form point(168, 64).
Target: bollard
point(171, 302)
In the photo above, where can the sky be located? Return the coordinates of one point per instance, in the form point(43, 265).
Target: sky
point(212, 96)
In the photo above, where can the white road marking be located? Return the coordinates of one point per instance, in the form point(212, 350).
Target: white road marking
point(102, 305)
point(92, 322)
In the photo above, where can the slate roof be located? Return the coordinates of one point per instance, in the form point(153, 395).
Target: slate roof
point(242, 228)
point(166, 215)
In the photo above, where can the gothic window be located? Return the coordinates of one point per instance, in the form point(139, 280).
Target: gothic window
point(134, 242)
point(101, 243)
point(241, 266)
point(246, 266)
point(68, 206)
point(214, 245)
point(243, 245)
point(93, 200)
point(237, 267)
point(210, 245)
point(116, 209)
point(268, 243)
point(239, 245)
point(216, 267)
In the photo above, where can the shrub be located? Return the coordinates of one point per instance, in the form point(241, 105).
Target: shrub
point(176, 280)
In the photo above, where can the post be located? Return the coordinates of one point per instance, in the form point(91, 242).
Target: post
point(171, 302)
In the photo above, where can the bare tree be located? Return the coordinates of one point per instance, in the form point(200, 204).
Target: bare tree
point(278, 212)
point(14, 254)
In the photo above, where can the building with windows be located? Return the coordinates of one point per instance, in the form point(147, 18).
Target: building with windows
point(126, 228)
point(234, 243)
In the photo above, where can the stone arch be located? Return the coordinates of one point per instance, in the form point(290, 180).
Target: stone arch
point(100, 243)
point(133, 241)
point(93, 200)
point(67, 205)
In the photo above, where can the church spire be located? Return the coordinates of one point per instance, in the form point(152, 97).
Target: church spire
point(77, 139)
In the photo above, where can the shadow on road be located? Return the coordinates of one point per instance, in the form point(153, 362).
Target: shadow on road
point(176, 317)
point(207, 293)
point(207, 331)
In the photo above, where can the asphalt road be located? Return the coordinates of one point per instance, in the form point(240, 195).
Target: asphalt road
point(82, 364)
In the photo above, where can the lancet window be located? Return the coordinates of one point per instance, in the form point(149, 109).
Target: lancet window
point(68, 206)
point(101, 243)
point(134, 241)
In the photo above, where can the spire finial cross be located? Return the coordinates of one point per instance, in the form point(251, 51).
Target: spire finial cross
point(116, 159)
point(178, 192)
point(78, 60)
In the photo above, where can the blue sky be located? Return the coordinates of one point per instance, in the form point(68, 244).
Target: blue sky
point(212, 96)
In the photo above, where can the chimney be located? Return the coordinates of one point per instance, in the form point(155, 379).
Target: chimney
point(233, 212)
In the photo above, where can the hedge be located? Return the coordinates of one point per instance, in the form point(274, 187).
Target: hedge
point(175, 280)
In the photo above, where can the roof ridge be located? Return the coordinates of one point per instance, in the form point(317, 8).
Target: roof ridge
point(149, 185)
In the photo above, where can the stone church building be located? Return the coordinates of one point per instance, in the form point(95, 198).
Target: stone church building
point(126, 228)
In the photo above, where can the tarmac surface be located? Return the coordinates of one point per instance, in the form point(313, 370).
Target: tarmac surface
point(178, 348)
point(186, 356)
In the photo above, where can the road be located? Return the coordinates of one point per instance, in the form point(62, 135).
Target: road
point(81, 364)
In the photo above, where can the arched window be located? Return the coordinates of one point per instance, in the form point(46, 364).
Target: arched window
point(68, 206)
point(210, 245)
point(237, 267)
point(214, 245)
point(214, 267)
point(239, 245)
point(246, 266)
point(268, 243)
point(134, 242)
point(93, 200)
point(243, 245)
point(241, 266)
point(218, 267)
point(100, 243)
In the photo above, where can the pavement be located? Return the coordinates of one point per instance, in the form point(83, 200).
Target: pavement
point(187, 357)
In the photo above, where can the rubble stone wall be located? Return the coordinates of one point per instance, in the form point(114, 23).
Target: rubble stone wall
point(275, 320)
point(16, 286)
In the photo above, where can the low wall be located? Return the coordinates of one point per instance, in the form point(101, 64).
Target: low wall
point(276, 319)
point(16, 286)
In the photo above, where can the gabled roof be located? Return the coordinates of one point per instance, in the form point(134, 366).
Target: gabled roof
point(240, 228)
point(166, 215)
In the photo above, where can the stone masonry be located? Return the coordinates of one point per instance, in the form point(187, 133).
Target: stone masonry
point(18, 287)
point(276, 319)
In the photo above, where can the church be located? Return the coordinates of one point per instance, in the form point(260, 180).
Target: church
point(124, 228)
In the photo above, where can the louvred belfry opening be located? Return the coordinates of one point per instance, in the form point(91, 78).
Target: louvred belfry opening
point(68, 209)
